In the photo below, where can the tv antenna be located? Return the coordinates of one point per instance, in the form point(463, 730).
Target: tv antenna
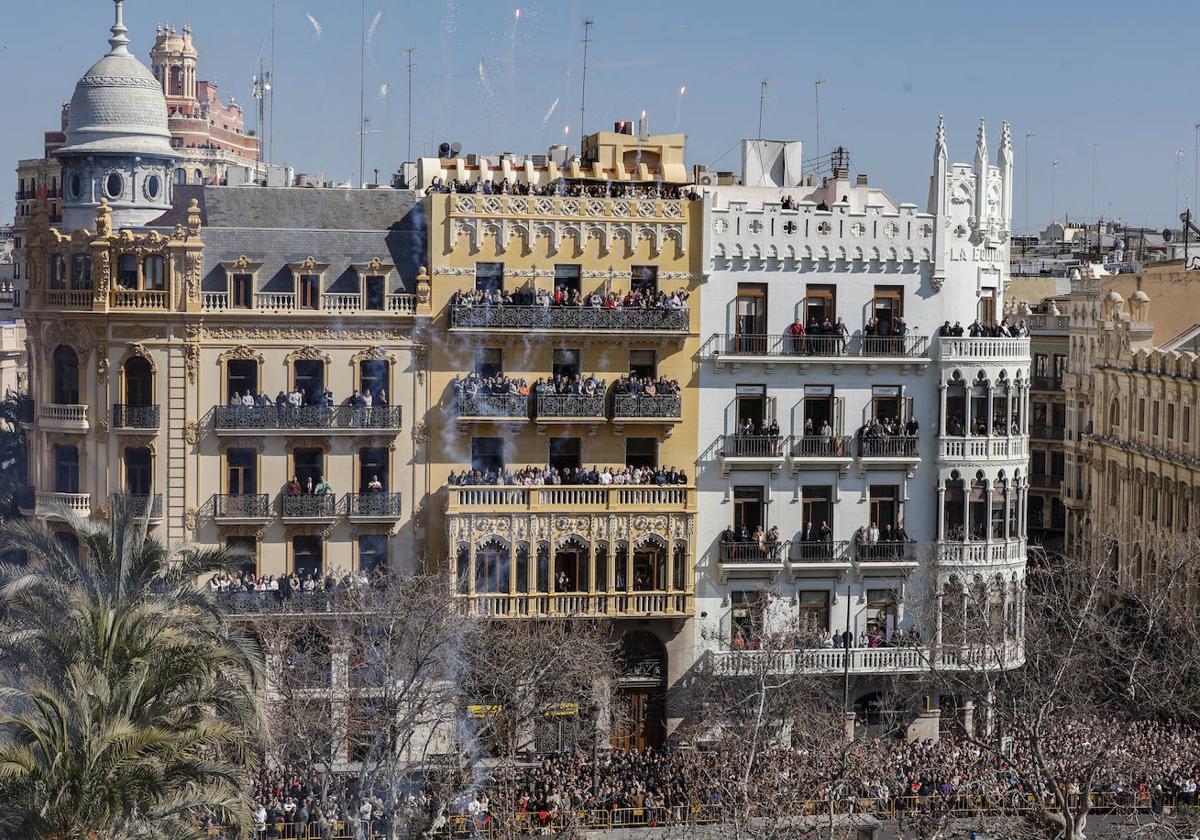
point(587, 39)
point(762, 97)
point(407, 53)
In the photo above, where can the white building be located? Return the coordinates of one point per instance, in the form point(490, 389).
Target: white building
point(778, 250)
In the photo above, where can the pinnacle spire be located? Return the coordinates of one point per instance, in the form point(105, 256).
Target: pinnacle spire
point(981, 143)
point(1005, 141)
point(939, 143)
point(118, 41)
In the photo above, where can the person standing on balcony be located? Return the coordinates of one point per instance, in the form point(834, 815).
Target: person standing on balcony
point(795, 334)
point(374, 485)
point(248, 399)
point(293, 487)
point(873, 534)
point(323, 487)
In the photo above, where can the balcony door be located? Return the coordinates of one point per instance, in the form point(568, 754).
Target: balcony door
point(372, 465)
point(373, 378)
point(308, 555)
point(374, 292)
point(66, 376)
point(643, 364)
point(242, 471)
point(308, 466)
point(887, 306)
point(820, 407)
point(139, 471)
point(565, 364)
point(570, 568)
point(241, 377)
point(565, 453)
point(241, 291)
point(567, 280)
point(372, 553)
point(487, 454)
point(310, 379)
point(749, 508)
point(820, 304)
point(750, 318)
point(882, 611)
point(650, 568)
point(66, 469)
point(987, 306)
point(489, 277)
point(886, 403)
point(751, 404)
point(885, 507)
point(309, 292)
point(817, 509)
point(139, 382)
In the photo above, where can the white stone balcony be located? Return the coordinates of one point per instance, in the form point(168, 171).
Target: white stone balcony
point(866, 661)
point(975, 449)
point(52, 505)
point(998, 552)
point(56, 417)
point(962, 349)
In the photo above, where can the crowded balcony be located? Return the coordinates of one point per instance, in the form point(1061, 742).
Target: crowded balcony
point(373, 506)
point(983, 349)
point(643, 309)
point(753, 449)
point(149, 505)
point(734, 349)
point(984, 419)
point(241, 507)
point(318, 507)
point(570, 408)
point(983, 448)
point(286, 419)
point(769, 556)
point(646, 408)
point(884, 553)
point(999, 551)
point(902, 448)
point(135, 417)
point(982, 520)
point(504, 498)
point(59, 417)
point(491, 408)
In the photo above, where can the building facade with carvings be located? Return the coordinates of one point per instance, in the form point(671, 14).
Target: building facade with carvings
point(618, 553)
point(784, 444)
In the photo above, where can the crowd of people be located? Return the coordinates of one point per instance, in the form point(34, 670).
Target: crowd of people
point(574, 476)
point(649, 386)
point(566, 189)
point(1142, 764)
point(644, 297)
point(285, 586)
point(978, 427)
point(980, 329)
point(299, 397)
point(475, 384)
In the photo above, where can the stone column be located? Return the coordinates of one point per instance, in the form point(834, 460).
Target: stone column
point(944, 422)
point(941, 523)
point(991, 393)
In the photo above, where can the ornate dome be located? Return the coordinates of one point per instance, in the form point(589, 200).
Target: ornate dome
point(118, 105)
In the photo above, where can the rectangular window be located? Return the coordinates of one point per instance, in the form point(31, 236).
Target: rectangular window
point(887, 305)
point(1141, 415)
point(489, 362)
point(745, 618)
point(987, 306)
point(1154, 417)
point(820, 304)
point(81, 272)
point(1058, 464)
point(489, 276)
point(373, 380)
point(374, 292)
point(310, 291)
point(66, 469)
point(58, 272)
point(242, 469)
point(127, 271)
point(487, 454)
point(1060, 368)
point(1038, 462)
point(885, 508)
point(643, 364)
point(372, 553)
point(1170, 421)
point(1040, 365)
point(308, 465)
point(138, 471)
point(567, 280)
point(882, 613)
point(749, 509)
point(1187, 424)
point(641, 452)
point(817, 511)
point(643, 279)
point(248, 548)
point(565, 364)
point(372, 467)
point(242, 291)
point(154, 273)
point(565, 453)
point(310, 380)
point(241, 377)
point(814, 611)
point(307, 556)
point(886, 402)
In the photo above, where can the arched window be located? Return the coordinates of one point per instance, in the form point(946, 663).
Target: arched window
point(139, 382)
point(66, 376)
point(180, 177)
point(1114, 414)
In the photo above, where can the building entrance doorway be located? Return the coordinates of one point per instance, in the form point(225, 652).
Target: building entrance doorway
point(639, 716)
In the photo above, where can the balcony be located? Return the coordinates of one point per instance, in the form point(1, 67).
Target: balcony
point(1050, 433)
point(983, 350)
point(55, 417)
point(492, 408)
point(339, 420)
point(320, 508)
point(505, 499)
point(820, 452)
point(568, 319)
point(139, 299)
point(734, 350)
point(570, 408)
point(1045, 482)
point(144, 504)
point(752, 452)
point(246, 507)
point(865, 661)
point(135, 417)
point(895, 452)
point(641, 604)
point(54, 505)
point(886, 556)
point(373, 507)
point(1046, 383)
point(751, 559)
point(981, 553)
point(983, 448)
point(818, 558)
point(334, 304)
point(646, 408)
point(69, 299)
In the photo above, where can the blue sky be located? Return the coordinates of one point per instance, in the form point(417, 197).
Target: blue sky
point(1108, 73)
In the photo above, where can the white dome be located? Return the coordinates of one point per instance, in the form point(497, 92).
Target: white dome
point(118, 106)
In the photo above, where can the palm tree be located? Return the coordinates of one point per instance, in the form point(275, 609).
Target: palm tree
point(128, 705)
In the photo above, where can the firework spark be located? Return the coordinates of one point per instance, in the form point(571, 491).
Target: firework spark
point(314, 23)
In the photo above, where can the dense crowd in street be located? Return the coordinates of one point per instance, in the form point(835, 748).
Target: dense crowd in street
point(644, 297)
point(1141, 764)
point(577, 476)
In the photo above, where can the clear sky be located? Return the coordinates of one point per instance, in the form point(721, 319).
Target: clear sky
point(1109, 73)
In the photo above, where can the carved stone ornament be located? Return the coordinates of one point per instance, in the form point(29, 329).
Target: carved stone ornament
point(104, 218)
point(192, 361)
point(420, 432)
point(190, 518)
point(191, 432)
point(309, 353)
point(242, 352)
point(192, 275)
point(193, 219)
point(101, 512)
point(100, 271)
point(423, 285)
point(305, 333)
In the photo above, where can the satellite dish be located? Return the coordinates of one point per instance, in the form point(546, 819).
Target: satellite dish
point(455, 149)
point(1166, 234)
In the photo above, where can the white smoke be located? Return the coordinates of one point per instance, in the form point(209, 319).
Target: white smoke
point(549, 114)
point(384, 90)
point(315, 24)
point(371, 28)
point(483, 80)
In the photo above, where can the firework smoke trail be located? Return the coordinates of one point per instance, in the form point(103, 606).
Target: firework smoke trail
point(679, 105)
point(483, 80)
point(549, 114)
point(314, 23)
point(384, 90)
point(369, 46)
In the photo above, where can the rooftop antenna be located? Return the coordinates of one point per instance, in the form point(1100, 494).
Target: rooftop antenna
point(762, 96)
point(587, 39)
point(260, 87)
point(362, 95)
point(407, 52)
point(817, 99)
point(271, 112)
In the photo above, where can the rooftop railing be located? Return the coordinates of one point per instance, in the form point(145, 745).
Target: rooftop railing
point(567, 318)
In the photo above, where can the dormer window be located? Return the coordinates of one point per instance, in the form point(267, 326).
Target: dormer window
point(306, 277)
point(373, 283)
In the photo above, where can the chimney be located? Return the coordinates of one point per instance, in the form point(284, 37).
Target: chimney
point(861, 181)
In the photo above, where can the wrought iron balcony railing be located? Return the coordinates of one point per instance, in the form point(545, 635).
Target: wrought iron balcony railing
point(800, 347)
point(135, 416)
point(309, 417)
point(1046, 383)
point(145, 504)
point(567, 318)
point(821, 446)
point(1047, 432)
point(383, 504)
point(308, 506)
point(646, 405)
point(897, 446)
point(242, 506)
point(493, 405)
point(753, 446)
point(889, 551)
point(819, 551)
point(570, 405)
point(753, 552)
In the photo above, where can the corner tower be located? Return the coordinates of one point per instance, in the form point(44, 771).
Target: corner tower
point(118, 146)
